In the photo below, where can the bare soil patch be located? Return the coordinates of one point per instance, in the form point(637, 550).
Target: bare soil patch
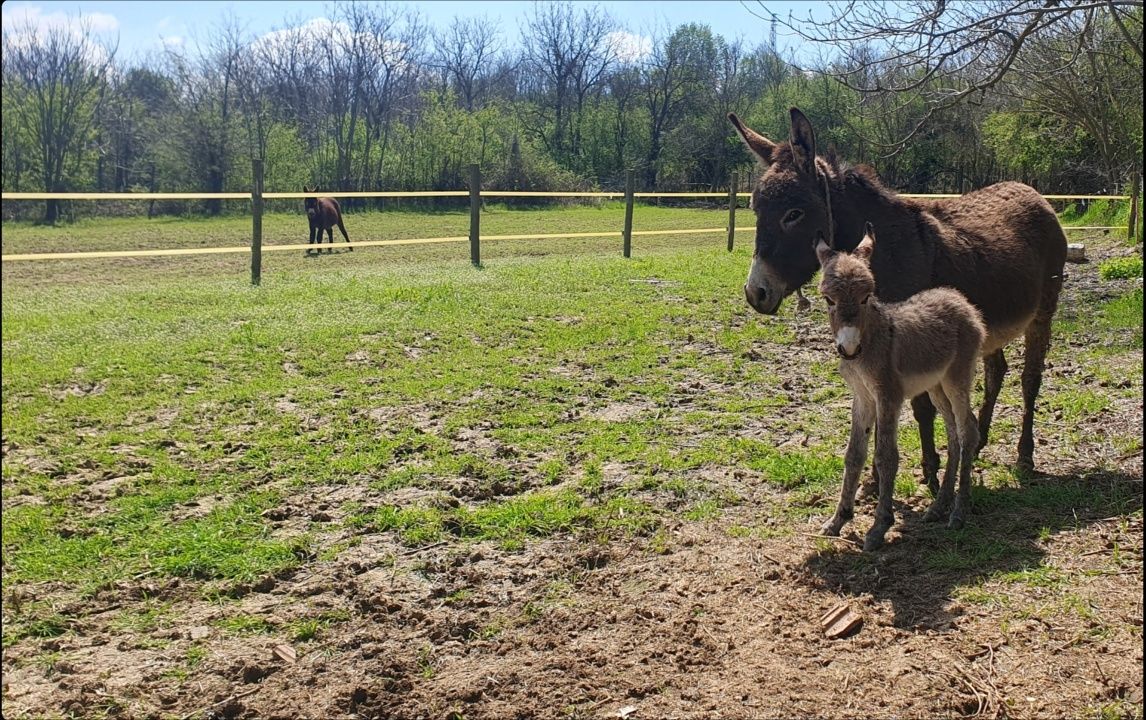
point(711, 617)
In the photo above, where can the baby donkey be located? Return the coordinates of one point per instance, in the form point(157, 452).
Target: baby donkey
point(891, 353)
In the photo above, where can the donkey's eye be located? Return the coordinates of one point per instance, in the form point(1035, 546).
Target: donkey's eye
point(791, 218)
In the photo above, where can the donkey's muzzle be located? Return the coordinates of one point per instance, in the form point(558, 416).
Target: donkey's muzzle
point(761, 300)
point(844, 353)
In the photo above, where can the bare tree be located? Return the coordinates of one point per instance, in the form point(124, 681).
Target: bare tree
point(208, 88)
point(57, 80)
point(568, 55)
point(940, 52)
point(465, 53)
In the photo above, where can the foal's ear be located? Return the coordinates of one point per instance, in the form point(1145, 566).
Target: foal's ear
point(823, 252)
point(867, 245)
point(760, 146)
point(803, 142)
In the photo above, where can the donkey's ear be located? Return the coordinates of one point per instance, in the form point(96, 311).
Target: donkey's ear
point(760, 146)
point(823, 252)
point(803, 142)
point(867, 245)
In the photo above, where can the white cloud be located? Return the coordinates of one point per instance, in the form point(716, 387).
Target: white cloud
point(315, 29)
point(172, 42)
point(629, 47)
point(26, 25)
point(35, 19)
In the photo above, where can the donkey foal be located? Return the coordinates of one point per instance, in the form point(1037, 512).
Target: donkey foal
point(892, 352)
point(323, 214)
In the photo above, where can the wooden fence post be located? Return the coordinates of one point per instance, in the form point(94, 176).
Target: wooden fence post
point(257, 223)
point(732, 188)
point(1135, 188)
point(627, 235)
point(475, 215)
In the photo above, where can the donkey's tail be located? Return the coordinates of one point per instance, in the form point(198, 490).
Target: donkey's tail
point(342, 229)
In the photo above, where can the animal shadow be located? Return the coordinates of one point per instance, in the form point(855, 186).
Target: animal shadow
point(919, 571)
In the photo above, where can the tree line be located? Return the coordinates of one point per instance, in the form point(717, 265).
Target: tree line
point(374, 98)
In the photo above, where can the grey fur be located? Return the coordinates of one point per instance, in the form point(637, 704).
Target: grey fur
point(931, 343)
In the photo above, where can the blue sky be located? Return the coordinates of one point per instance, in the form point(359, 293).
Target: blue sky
point(143, 27)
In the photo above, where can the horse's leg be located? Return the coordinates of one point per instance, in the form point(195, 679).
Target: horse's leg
point(994, 369)
point(1037, 342)
point(887, 458)
point(924, 411)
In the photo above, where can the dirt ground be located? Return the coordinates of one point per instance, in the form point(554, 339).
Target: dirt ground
point(693, 621)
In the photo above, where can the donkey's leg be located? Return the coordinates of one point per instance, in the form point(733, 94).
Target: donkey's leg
point(887, 459)
point(329, 239)
point(924, 412)
point(942, 504)
point(994, 370)
point(313, 228)
point(863, 416)
point(1037, 342)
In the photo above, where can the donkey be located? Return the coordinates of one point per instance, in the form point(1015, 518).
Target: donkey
point(323, 213)
point(891, 352)
point(1001, 246)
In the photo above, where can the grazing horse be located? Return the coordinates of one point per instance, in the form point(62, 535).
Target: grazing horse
point(1001, 246)
point(929, 343)
point(323, 213)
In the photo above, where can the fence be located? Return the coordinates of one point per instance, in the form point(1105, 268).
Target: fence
point(475, 194)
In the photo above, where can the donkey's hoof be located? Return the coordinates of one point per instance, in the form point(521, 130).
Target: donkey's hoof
point(935, 513)
point(956, 521)
point(873, 541)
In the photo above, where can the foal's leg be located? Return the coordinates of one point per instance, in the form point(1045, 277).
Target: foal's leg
point(863, 416)
point(994, 370)
point(1037, 342)
point(887, 460)
point(959, 392)
point(924, 412)
point(942, 504)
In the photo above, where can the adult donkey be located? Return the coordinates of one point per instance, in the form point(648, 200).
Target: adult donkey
point(323, 213)
point(1001, 246)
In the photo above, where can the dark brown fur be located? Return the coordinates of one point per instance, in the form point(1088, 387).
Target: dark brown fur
point(1001, 246)
point(323, 213)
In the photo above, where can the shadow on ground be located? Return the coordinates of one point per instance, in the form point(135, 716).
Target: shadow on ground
point(1005, 534)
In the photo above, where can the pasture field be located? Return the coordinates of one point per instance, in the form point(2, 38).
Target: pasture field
point(566, 485)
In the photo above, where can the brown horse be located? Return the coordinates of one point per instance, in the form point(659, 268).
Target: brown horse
point(323, 213)
point(1001, 246)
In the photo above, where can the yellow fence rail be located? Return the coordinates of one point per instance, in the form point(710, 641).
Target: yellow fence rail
point(476, 196)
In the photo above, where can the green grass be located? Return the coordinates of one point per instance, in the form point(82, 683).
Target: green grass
point(452, 404)
point(1123, 268)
